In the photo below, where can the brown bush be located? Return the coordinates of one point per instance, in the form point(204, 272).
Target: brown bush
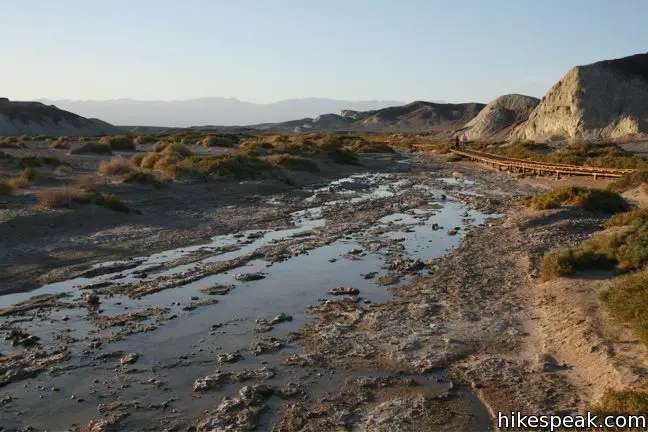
point(116, 166)
point(92, 148)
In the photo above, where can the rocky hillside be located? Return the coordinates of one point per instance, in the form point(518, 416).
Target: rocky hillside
point(414, 117)
point(603, 100)
point(496, 121)
point(35, 118)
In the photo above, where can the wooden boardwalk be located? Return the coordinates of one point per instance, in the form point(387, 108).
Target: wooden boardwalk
point(524, 165)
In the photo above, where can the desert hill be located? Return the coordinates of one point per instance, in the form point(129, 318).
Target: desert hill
point(606, 100)
point(497, 119)
point(35, 118)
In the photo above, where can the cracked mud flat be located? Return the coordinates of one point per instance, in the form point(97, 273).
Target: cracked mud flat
point(195, 336)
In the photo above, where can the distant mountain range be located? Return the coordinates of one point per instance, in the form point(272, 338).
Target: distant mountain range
point(209, 111)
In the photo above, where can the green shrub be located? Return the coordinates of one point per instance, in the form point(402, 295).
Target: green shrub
point(627, 300)
point(621, 402)
point(626, 250)
point(120, 142)
point(454, 158)
point(628, 218)
point(594, 200)
point(630, 181)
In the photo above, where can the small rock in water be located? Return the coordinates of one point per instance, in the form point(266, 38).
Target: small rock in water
point(452, 232)
point(435, 226)
point(369, 275)
point(345, 291)
point(229, 357)
point(332, 260)
point(193, 298)
point(91, 298)
point(281, 318)
point(129, 359)
point(246, 277)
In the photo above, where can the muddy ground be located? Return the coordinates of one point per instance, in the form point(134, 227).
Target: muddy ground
point(400, 295)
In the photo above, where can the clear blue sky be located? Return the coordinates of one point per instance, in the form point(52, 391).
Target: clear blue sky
point(267, 50)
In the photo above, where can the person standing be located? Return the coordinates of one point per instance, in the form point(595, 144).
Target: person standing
point(456, 141)
point(464, 141)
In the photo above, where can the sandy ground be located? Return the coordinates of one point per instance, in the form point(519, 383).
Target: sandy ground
point(477, 315)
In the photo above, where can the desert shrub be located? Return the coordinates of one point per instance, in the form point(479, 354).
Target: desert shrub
point(630, 181)
point(256, 146)
point(120, 142)
point(333, 147)
point(87, 182)
point(628, 218)
point(626, 251)
point(142, 176)
point(61, 197)
point(60, 143)
point(149, 160)
point(235, 164)
point(220, 141)
point(362, 146)
point(39, 161)
point(293, 163)
point(22, 180)
point(69, 197)
point(116, 166)
point(11, 143)
point(621, 402)
point(6, 188)
point(453, 158)
point(627, 300)
point(594, 200)
point(144, 139)
point(171, 147)
point(137, 159)
point(92, 147)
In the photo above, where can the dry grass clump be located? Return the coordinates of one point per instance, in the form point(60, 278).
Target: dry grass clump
point(171, 147)
point(116, 166)
point(293, 163)
point(630, 181)
point(12, 142)
point(71, 197)
point(594, 200)
point(22, 180)
point(143, 176)
point(39, 161)
point(87, 182)
point(60, 143)
point(92, 147)
point(363, 146)
point(622, 402)
point(144, 139)
point(119, 142)
point(224, 140)
point(6, 188)
point(453, 158)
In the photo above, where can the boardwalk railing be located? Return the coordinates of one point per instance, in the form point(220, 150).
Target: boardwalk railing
point(523, 165)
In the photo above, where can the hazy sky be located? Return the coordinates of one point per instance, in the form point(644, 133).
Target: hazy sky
point(267, 50)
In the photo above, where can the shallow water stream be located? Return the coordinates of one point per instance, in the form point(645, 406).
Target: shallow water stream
point(182, 344)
